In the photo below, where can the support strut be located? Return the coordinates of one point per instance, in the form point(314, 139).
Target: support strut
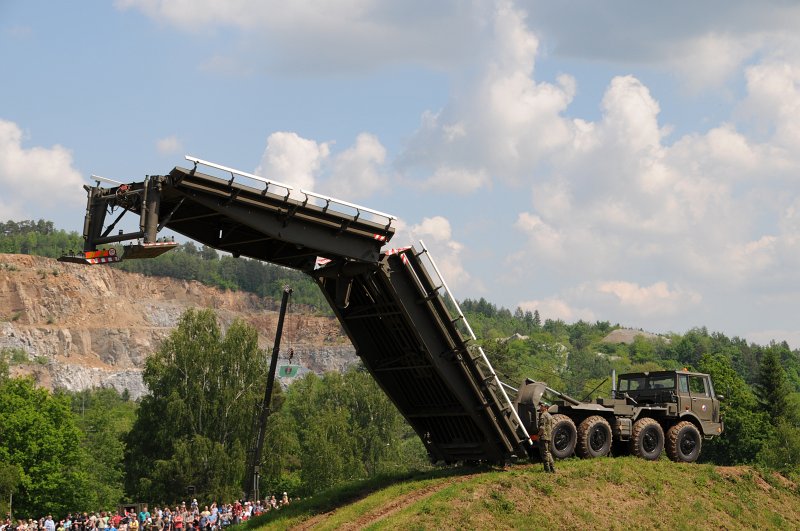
point(253, 475)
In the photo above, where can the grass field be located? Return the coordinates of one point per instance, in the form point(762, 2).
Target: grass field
point(619, 493)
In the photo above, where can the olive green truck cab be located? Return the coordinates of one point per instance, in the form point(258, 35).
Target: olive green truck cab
point(649, 412)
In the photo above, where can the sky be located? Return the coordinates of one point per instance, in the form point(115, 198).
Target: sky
point(632, 162)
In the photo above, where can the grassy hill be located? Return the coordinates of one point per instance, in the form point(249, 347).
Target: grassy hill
point(619, 493)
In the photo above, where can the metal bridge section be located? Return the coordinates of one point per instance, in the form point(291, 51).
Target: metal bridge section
point(393, 304)
point(405, 333)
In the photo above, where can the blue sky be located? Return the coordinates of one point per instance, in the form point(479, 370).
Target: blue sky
point(617, 161)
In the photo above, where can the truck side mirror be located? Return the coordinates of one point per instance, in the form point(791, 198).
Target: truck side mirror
point(721, 398)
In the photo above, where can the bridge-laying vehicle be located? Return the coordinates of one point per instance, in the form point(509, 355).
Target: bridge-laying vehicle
point(396, 308)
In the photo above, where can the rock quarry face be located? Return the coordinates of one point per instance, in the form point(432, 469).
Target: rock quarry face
point(77, 327)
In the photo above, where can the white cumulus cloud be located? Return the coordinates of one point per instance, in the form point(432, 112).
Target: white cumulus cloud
point(358, 171)
point(34, 177)
point(437, 235)
point(500, 124)
point(709, 60)
point(657, 298)
point(292, 160)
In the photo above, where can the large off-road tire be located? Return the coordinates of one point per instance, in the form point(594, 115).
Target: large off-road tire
point(647, 439)
point(684, 442)
point(594, 437)
point(565, 436)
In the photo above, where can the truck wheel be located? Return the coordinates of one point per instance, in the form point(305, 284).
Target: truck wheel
point(564, 437)
point(594, 437)
point(647, 439)
point(684, 442)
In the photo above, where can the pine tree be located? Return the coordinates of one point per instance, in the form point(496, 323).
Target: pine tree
point(773, 387)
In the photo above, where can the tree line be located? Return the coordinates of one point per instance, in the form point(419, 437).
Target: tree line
point(38, 238)
point(186, 262)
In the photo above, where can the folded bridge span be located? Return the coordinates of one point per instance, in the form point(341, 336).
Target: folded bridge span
point(392, 303)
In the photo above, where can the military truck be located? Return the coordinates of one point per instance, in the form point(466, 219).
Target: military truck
point(647, 413)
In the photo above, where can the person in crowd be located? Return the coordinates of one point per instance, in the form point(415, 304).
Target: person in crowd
point(143, 515)
point(223, 520)
point(213, 518)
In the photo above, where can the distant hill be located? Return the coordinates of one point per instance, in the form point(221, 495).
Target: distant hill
point(611, 493)
point(627, 335)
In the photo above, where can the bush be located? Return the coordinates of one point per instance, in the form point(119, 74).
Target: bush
point(782, 451)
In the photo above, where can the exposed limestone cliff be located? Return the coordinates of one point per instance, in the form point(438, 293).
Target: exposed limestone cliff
point(94, 326)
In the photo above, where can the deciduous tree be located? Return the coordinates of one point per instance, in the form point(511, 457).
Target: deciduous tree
point(746, 423)
point(204, 385)
point(39, 438)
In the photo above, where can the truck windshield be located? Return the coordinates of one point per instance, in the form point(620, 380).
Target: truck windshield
point(662, 382)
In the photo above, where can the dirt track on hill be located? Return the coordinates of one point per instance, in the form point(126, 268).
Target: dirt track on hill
point(394, 506)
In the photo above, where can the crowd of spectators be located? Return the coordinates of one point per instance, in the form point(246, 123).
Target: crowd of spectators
point(182, 517)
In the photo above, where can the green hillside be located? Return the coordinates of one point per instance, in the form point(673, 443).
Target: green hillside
point(613, 493)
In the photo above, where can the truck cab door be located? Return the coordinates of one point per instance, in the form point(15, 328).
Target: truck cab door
point(684, 397)
point(702, 404)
